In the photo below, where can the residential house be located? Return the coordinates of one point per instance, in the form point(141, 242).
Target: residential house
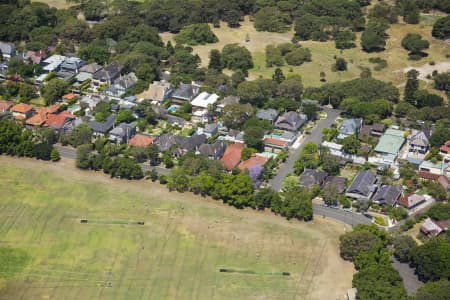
point(159, 91)
point(107, 75)
point(339, 183)
point(100, 129)
point(412, 201)
point(5, 105)
point(350, 127)
point(89, 102)
point(22, 111)
point(167, 141)
point(8, 50)
point(122, 133)
point(418, 143)
point(190, 143)
point(444, 150)
point(204, 100)
point(389, 145)
point(363, 186)
point(374, 130)
point(35, 57)
point(227, 101)
point(434, 227)
point(41, 115)
point(61, 122)
point(311, 177)
point(433, 168)
point(69, 97)
point(91, 68)
point(176, 121)
point(72, 65)
point(267, 114)
point(121, 85)
point(3, 69)
point(388, 194)
point(254, 160)
point(275, 145)
point(291, 121)
point(213, 151)
point(53, 63)
point(141, 140)
point(200, 116)
point(185, 92)
point(232, 156)
point(209, 130)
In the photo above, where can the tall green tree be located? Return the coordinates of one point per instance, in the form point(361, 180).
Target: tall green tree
point(412, 85)
point(215, 60)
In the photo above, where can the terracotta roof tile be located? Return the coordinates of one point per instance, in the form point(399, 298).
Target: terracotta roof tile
point(273, 141)
point(232, 156)
point(22, 108)
point(428, 175)
point(254, 160)
point(141, 140)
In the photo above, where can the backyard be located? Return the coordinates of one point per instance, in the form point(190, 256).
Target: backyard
point(176, 254)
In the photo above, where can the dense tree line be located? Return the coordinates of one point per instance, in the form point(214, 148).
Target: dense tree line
point(16, 140)
point(365, 89)
point(366, 247)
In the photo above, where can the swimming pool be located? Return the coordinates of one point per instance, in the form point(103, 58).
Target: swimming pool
point(172, 108)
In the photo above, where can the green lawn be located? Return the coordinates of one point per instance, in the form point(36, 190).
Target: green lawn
point(175, 255)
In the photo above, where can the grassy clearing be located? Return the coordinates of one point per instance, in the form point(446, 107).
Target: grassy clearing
point(323, 53)
point(59, 4)
point(175, 255)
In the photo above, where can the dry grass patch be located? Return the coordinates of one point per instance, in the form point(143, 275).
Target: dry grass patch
point(175, 255)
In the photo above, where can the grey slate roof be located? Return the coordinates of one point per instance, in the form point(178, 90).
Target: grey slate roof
point(123, 129)
point(340, 183)
point(215, 150)
point(109, 73)
point(291, 121)
point(350, 126)
point(191, 143)
point(7, 48)
point(267, 114)
point(311, 177)
point(185, 92)
point(388, 194)
point(420, 139)
point(210, 128)
point(362, 183)
point(167, 140)
point(103, 127)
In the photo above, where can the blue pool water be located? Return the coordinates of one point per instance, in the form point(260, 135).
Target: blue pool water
point(172, 108)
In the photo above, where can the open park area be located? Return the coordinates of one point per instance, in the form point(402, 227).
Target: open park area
point(176, 254)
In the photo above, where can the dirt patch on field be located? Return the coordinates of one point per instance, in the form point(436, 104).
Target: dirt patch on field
point(427, 69)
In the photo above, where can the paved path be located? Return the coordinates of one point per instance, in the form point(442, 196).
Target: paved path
point(340, 215)
point(410, 279)
point(315, 136)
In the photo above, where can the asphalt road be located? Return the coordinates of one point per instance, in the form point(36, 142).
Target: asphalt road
point(315, 136)
point(340, 215)
point(410, 279)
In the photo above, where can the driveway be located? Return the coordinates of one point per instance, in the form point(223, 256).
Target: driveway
point(315, 136)
point(410, 279)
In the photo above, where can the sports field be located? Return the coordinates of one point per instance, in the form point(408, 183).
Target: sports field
point(177, 254)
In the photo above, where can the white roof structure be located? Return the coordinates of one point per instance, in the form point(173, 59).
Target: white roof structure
point(53, 62)
point(204, 99)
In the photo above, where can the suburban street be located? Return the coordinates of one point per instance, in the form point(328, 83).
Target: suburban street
point(340, 215)
point(315, 136)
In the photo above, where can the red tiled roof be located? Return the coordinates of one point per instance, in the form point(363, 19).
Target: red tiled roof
point(428, 175)
point(69, 96)
point(22, 108)
point(5, 105)
point(232, 156)
point(443, 181)
point(39, 118)
point(276, 142)
point(254, 160)
point(445, 148)
point(57, 121)
point(141, 140)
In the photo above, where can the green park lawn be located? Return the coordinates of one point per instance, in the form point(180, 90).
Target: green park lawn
point(175, 255)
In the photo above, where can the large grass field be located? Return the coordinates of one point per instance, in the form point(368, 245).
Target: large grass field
point(175, 255)
point(323, 53)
